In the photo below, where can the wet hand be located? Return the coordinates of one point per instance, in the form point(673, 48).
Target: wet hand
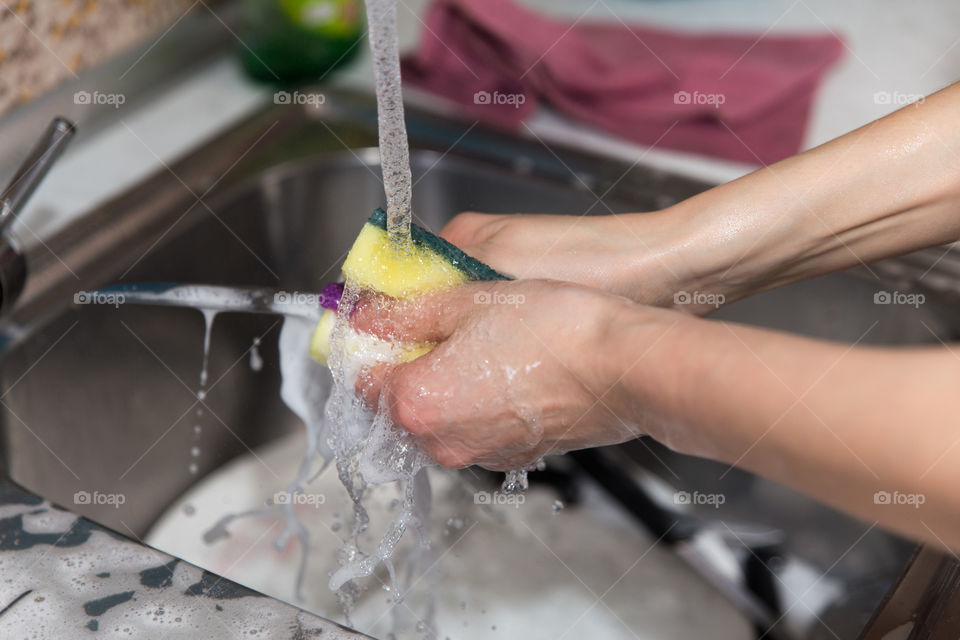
point(639, 256)
point(520, 370)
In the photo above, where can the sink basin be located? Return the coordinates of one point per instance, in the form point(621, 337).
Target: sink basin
point(101, 400)
point(284, 217)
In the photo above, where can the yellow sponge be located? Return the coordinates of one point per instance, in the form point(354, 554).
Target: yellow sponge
point(320, 342)
point(375, 263)
point(426, 263)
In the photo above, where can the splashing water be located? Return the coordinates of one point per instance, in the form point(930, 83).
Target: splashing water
point(370, 449)
point(366, 446)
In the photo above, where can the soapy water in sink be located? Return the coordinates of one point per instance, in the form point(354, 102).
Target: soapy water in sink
point(367, 448)
point(489, 566)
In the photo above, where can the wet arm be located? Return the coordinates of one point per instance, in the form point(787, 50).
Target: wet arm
point(837, 422)
point(887, 188)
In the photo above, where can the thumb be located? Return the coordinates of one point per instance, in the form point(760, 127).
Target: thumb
point(468, 229)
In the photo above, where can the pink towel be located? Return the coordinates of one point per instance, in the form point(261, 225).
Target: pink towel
point(743, 97)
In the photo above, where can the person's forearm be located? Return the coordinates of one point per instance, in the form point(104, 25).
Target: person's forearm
point(837, 422)
point(885, 189)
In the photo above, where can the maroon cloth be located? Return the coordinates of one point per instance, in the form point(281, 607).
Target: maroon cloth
point(648, 85)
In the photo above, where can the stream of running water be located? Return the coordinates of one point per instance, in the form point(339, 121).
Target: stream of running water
point(363, 443)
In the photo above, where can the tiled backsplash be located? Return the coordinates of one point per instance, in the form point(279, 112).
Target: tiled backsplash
point(44, 42)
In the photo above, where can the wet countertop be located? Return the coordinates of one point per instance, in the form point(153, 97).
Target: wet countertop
point(62, 576)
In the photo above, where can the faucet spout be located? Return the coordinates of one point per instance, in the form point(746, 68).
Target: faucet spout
point(14, 197)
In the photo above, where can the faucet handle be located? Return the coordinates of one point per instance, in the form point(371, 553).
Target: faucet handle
point(33, 169)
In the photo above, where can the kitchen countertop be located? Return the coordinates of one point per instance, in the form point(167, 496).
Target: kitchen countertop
point(64, 577)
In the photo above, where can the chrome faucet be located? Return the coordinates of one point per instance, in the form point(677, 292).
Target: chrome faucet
point(13, 268)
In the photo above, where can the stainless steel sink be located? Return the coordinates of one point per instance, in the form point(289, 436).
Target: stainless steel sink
point(283, 217)
point(103, 399)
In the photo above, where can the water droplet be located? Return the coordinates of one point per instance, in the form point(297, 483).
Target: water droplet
point(515, 481)
point(256, 362)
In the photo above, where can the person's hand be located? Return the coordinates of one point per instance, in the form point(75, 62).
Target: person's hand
point(520, 369)
point(634, 255)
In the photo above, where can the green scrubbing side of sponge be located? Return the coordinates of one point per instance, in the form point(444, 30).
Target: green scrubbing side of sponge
point(473, 268)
